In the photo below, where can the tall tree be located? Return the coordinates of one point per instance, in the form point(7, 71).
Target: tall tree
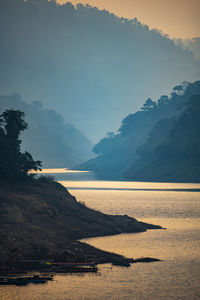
point(13, 163)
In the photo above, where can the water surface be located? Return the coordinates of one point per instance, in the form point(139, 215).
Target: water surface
point(171, 205)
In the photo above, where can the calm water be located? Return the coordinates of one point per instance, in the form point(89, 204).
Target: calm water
point(172, 205)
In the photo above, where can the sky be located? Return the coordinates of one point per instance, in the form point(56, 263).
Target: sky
point(177, 18)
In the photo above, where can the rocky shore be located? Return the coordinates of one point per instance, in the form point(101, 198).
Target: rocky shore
point(41, 220)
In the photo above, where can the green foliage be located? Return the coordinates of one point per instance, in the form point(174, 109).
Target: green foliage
point(14, 165)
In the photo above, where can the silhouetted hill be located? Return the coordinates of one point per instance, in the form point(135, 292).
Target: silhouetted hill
point(49, 138)
point(42, 220)
point(89, 65)
point(137, 138)
point(172, 150)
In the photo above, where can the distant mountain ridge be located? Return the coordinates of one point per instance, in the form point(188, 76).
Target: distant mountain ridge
point(89, 65)
point(159, 142)
point(48, 137)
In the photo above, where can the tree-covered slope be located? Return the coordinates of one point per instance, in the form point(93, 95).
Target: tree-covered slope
point(172, 151)
point(89, 65)
point(117, 152)
point(49, 138)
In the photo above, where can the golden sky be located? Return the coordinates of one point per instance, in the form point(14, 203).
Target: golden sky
point(177, 18)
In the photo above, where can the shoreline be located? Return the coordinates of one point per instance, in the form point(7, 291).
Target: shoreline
point(42, 220)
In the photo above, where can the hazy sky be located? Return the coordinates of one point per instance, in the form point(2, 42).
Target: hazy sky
point(177, 18)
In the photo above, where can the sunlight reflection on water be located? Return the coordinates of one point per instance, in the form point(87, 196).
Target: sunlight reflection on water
point(177, 276)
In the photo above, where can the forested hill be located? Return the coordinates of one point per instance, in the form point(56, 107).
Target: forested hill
point(151, 143)
point(89, 65)
point(172, 150)
point(49, 138)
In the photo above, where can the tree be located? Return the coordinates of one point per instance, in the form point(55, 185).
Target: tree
point(178, 88)
point(163, 100)
point(14, 164)
point(148, 105)
point(14, 123)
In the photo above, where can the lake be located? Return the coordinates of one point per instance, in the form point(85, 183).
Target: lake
point(174, 206)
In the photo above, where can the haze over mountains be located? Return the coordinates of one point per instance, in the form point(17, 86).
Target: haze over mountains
point(89, 65)
point(49, 138)
point(160, 142)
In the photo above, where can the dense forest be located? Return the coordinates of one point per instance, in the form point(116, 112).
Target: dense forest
point(49, 138)
point(159, 142)
point(172, 150)
point(90, 65)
